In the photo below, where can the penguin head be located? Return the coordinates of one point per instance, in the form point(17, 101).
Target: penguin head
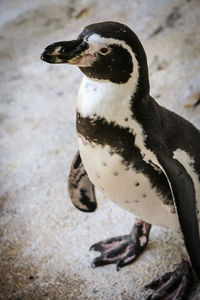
point(107, 51)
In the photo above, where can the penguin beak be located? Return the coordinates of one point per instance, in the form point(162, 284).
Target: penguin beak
point(65, 52)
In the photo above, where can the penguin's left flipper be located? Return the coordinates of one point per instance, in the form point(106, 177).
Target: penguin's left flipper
point(81, 190)
point(183, 192)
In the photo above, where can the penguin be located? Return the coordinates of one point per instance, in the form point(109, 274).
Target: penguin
point(139, 154)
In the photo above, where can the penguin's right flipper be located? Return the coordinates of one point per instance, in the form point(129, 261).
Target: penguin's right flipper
point(183, 192)
point(81, 190)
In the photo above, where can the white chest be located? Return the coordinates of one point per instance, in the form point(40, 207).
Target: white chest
point(105, 99)
point(127, 187)
point(112, 102)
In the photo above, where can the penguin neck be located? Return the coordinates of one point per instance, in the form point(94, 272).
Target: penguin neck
point(110, 101)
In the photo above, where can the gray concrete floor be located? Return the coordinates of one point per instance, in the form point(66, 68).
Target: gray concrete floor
point(44, 239)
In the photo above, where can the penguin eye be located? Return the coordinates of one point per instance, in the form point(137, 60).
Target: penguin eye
point(104, 50)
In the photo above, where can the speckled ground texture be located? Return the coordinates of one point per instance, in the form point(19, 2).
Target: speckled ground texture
point(44, 240)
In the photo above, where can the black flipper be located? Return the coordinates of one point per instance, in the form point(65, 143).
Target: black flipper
point(183, 192)
point(81, 190)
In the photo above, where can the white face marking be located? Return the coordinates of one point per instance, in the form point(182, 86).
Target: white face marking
point(97, 42)
point(90, 55)
point(104, 98)
point(188, 162)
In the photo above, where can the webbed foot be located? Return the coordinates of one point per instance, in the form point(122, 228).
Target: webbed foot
point(173, 285)
point(122, 250)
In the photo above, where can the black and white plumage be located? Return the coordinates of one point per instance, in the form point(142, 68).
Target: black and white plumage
point(139, 154)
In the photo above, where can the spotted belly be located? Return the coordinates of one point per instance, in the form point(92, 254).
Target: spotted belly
point(125, 185)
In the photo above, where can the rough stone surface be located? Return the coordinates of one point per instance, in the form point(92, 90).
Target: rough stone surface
point(44, 239)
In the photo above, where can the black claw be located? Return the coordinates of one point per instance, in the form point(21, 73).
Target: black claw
point(97, 262)
point(158, 281)
point(93, 265)
point(92, 248)
point(119, 264)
